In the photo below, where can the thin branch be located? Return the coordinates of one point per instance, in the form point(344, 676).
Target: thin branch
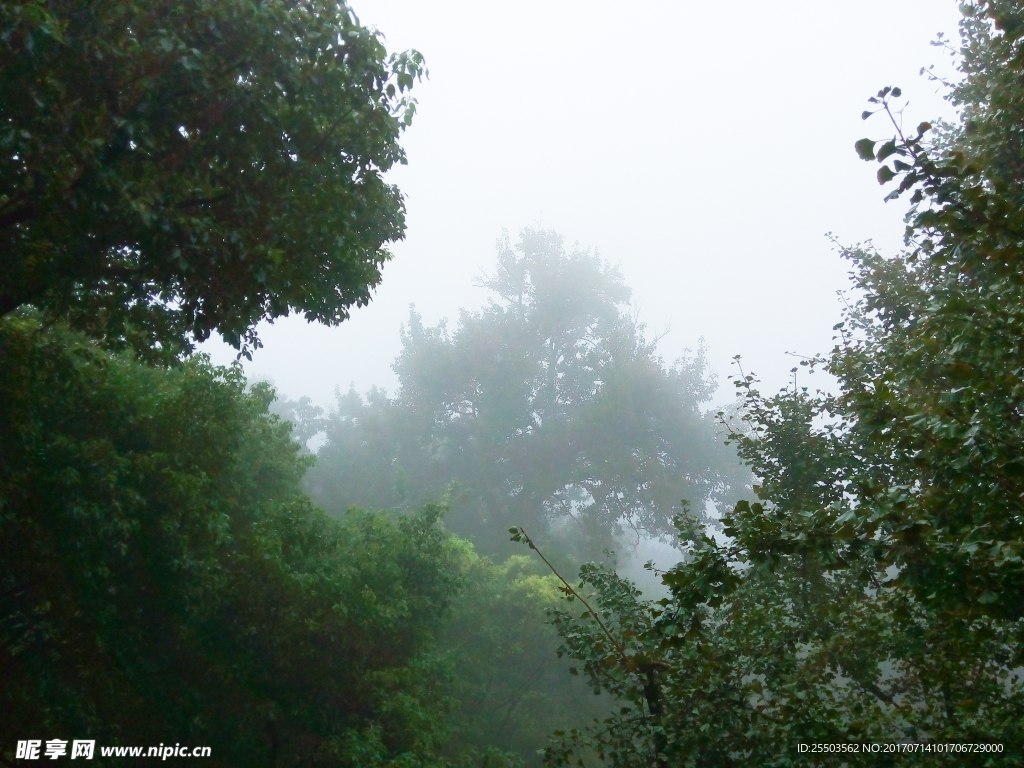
point(569, 589)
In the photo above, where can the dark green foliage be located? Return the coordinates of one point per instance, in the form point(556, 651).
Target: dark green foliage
point(548, 408)
point(512, 688)
point(162, 578)
point(796, 654)
point(930, 360)
point(170, 169)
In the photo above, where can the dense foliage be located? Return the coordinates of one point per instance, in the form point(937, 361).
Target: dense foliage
point(548, 408)
point(163, 578)
point(739, 667)
point(173, 168)
point(874, 592)
point(511, 687)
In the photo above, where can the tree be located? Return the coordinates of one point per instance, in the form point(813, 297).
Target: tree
point(930, 364)
point(162, 576)
point(739, 666)
point(170, 169)
point(548, 408)
point(873, 592)
point(511, 687)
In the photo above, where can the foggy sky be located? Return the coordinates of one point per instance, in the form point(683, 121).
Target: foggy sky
point(705, 147)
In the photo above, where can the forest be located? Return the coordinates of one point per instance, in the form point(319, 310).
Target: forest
point(436, 577)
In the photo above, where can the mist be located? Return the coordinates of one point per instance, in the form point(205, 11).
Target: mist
point(707, 154)
point(628, 234)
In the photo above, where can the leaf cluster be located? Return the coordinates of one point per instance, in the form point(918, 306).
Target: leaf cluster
point(171, 169)
point(162, 573)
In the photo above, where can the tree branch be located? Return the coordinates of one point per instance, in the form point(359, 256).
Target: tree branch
point(569, 590)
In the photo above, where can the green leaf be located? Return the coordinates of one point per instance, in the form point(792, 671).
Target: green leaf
point(885, 174)
point(887, 149)
point(865, 149)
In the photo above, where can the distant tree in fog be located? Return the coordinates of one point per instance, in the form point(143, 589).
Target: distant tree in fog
point(549, 409)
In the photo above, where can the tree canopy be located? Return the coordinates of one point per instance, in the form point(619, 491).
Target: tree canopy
point(547, 408)
point(171, 169)
point(873, 591)
point(162, 575)
point(512, 689)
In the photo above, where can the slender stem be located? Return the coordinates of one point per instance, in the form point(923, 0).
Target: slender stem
point(574, 593)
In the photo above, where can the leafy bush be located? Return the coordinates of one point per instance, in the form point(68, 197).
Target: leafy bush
point(163, 579)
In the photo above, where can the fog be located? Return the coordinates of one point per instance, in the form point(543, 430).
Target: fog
point(706, 149)
point(607, 204)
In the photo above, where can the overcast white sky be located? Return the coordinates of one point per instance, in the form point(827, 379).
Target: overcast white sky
point(705, 147)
